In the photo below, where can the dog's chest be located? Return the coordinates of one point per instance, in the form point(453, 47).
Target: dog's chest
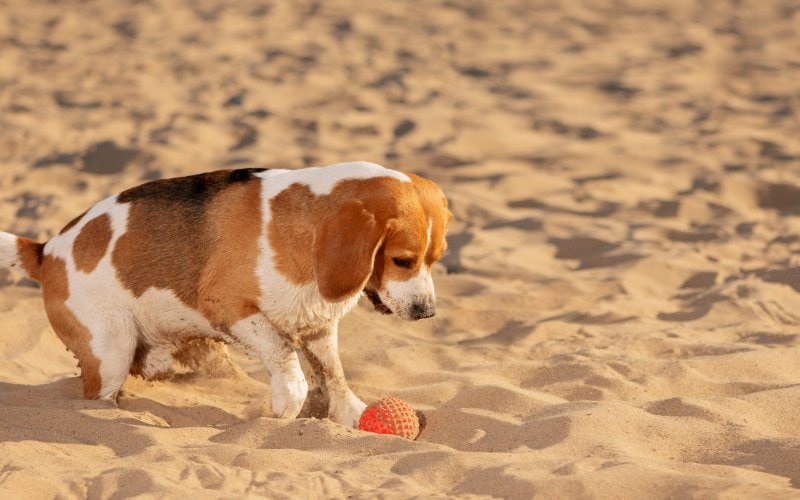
point(301, 310)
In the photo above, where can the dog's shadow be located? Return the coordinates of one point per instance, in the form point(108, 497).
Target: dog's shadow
point(57, 412)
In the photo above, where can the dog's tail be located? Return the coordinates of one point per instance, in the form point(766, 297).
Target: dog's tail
point(16, 251)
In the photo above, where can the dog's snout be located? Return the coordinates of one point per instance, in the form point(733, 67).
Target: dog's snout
point(420, 310)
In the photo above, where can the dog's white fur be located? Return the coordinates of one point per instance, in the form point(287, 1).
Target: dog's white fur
point(290, 316)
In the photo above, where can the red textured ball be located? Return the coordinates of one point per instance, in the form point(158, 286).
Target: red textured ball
point(390, 416)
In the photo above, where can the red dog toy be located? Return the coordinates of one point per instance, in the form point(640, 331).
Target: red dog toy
point(390, 416)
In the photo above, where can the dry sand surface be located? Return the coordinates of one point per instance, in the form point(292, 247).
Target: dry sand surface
point(619, 307)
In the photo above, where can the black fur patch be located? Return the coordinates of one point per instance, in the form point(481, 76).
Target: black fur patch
point(194, 189)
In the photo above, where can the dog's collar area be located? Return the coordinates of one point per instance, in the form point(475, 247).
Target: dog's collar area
point(373, 297)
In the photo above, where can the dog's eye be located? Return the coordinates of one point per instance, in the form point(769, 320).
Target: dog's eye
point(404, 263)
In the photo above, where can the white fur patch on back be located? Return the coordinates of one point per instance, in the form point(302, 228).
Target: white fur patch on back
point(321, 180)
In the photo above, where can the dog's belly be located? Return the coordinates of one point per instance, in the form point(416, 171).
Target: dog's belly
point(163, 318)
point(111, 311)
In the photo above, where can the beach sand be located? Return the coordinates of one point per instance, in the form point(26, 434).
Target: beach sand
point(618, 311)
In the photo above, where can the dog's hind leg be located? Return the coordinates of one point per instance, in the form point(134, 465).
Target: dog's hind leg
point(102, 339)
point(104, 348)
point(77, 338)
point(114, 342)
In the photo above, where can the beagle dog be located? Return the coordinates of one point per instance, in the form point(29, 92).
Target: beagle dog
point(268, 260)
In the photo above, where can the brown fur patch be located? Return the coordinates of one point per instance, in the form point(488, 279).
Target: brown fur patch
point(229, 290)
point(355, 232)
point(55, 289)
point(91, 243)
point(30, 256)
point(197, 236)
point(165, 246)
point(291, 228)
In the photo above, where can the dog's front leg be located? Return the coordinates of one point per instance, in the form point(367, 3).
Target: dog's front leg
point(322, 352)
point(289, 386)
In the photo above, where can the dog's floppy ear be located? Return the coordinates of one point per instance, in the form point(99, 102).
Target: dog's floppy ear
point(345, 244)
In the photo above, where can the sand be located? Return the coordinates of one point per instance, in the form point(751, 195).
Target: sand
point(619, 308)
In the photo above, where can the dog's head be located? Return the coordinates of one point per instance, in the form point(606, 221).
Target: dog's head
point(385, 242)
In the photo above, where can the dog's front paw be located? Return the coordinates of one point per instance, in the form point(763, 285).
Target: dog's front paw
point(288, 396)
point(346, 410)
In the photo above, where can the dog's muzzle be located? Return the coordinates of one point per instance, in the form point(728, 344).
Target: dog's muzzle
point(422, 310)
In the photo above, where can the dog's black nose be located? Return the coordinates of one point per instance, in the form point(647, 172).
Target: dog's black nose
point(420, 310)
